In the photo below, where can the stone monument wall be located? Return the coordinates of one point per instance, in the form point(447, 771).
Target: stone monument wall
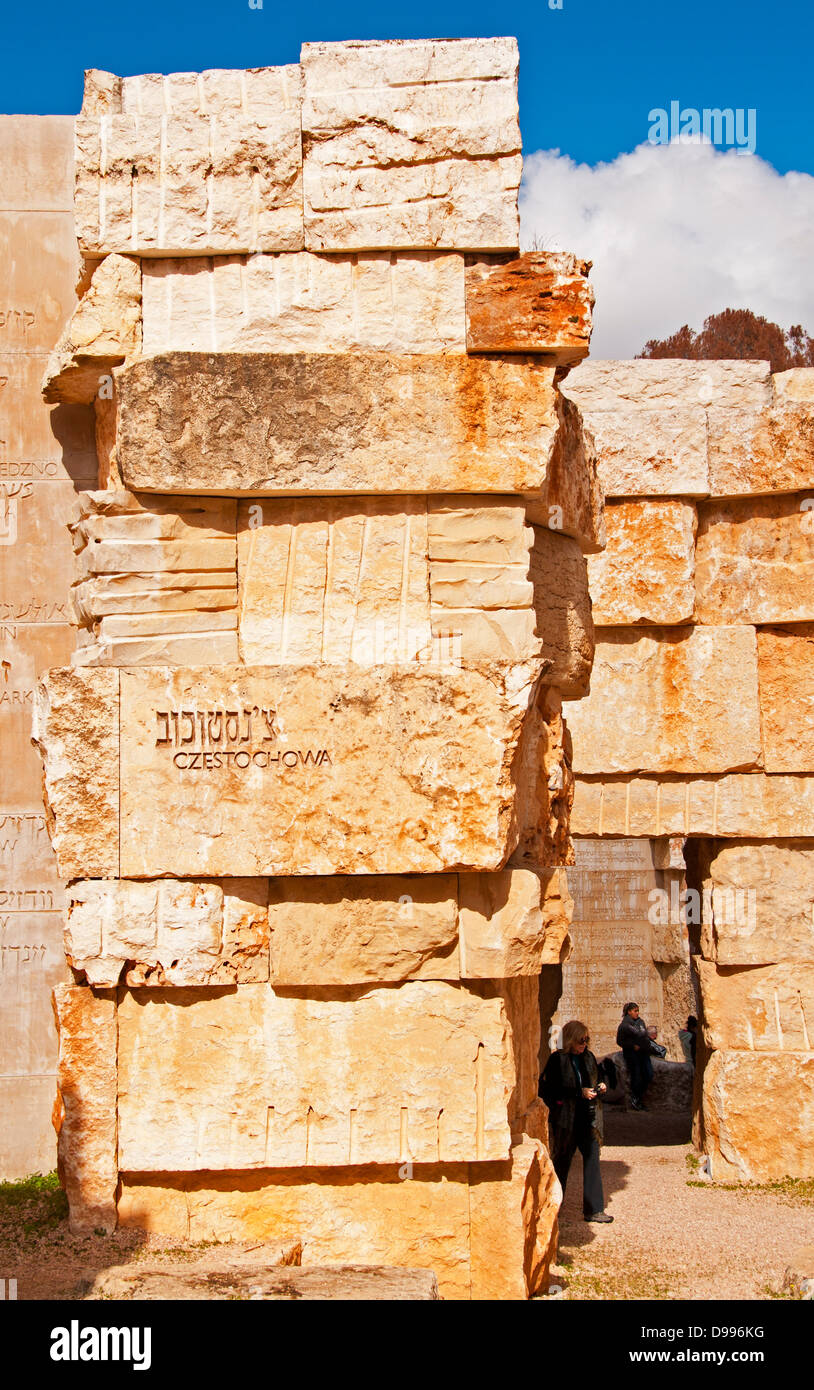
point(307, 777)
point(46, 453)
point(700, 721)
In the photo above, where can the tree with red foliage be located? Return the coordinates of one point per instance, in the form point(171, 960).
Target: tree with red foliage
point(738, 333)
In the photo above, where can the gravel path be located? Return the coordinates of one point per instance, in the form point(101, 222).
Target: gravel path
point(670, 1239)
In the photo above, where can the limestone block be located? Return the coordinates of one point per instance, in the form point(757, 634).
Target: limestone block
point(670, 700)
point(662, 383)
point(301, 302)
point(421, 1073)
point(753, 451)
point(85, 1111)
point(646, 572)
point(512, 922)
point(651, 452)
point(40, 264)
point(545, 786)
point(41, 443)
point(476, 634)
point(36, 163)
point(334, 579)
point(736, 805)
point(411, 144)
point(204, 176)
point(76, 729)
point(168, 932)
point(488, 530)
point(562, 609)
point(513, 1215)
point(758, 1114)
point(104, 331)
point(794, 385)
point(757, 1009)
point(277, 424)
point(572, 499)
point(760, 903)
point(786, 680)
point(540, 302)
point(413, 1215)
point(263, 1276)
point(755, 558)
point(307, 770)
point(158, 593)
point(458, 584)
point(344, 930)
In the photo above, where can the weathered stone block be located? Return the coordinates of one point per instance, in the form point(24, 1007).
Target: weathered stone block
point(760, 903)
point(513, 1230)
point(740, 1095)
point(76, 728)
point(664, 701)
point(85, 1112)
point(733, 806)
point(571, 500)
point(300, 302)
point(562, 610)
point(104, 330)
point(277, 424)
point(512, 922)
point(757, 1009)
point(755, 561)
point(646, 572)
point(242, 1080)
point(786, 681)
point(411, 144)
point(540, 302)
point(764, 450)
point(662, 383)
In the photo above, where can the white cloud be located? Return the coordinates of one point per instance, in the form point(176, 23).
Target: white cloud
point(676, 232)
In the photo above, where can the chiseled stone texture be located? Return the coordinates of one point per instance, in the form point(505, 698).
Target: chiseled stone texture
point(103, 332)
point(539, 302)
point(277, 424)
point(759, 903)
point(157, 580)
point(753, 451)
point(190, 163)
point(786, 679)
point(244, 1080)
point(670, 700)
point(562, 608)
point(646, 572)
point(76, 729)
point(169, 932)
point(740, 1097)
point(267, 1274)
point(755, 560)
point(301, 302)
point(732, 806)
point(661, 383)
point(513, 922)
point(307, 770)
point(412, 143)
point(85, 1112)
point(767, 1008)
point(571, 500)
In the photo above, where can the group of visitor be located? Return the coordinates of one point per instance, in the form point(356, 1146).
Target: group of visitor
point(574, 1083)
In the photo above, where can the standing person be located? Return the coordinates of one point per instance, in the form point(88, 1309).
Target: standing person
point(632, 1037)
point(688, 1037)
point(570, 1087)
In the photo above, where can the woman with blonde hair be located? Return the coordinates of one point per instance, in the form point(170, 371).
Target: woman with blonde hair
point(571, 1088)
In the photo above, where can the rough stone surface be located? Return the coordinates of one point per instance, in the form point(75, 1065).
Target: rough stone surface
point(765, 1008)
point(664, 701)
point(540, 302)
point(562, 608)
point(572, 500)
point(85, 1109)
point(259, 1279)
point(76, 728)
point(733, 806)
point(740, 1091)
point(513, 1215)
point(411, 144)
point(755, 561)
point(671, 1089)
point(104, 331)
point(301, 302)
point(190, 163)
point(167, 932)
point(512, 923)
point(646, 572)
point(764, 451)
point(760, 904)
point(786, 680)
point(327, 423)
point(661, 383)
point(243, 1080)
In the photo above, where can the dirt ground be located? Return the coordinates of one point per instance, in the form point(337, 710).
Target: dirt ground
point(675, 1234)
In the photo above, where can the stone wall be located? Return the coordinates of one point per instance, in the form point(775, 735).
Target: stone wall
point(46, 453)
point(699, 723)
point(307, 777)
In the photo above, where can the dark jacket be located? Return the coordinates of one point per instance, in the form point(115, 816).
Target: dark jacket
point(632, 1033)
point(567, 1106)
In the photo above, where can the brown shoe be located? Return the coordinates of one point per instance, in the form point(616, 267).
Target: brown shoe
point(602, 1216)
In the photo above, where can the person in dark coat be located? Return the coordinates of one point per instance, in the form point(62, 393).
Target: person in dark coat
point(633, 1038)
point(571, 1087)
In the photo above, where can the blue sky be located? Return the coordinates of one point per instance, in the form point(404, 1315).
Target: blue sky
point(589, 73)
